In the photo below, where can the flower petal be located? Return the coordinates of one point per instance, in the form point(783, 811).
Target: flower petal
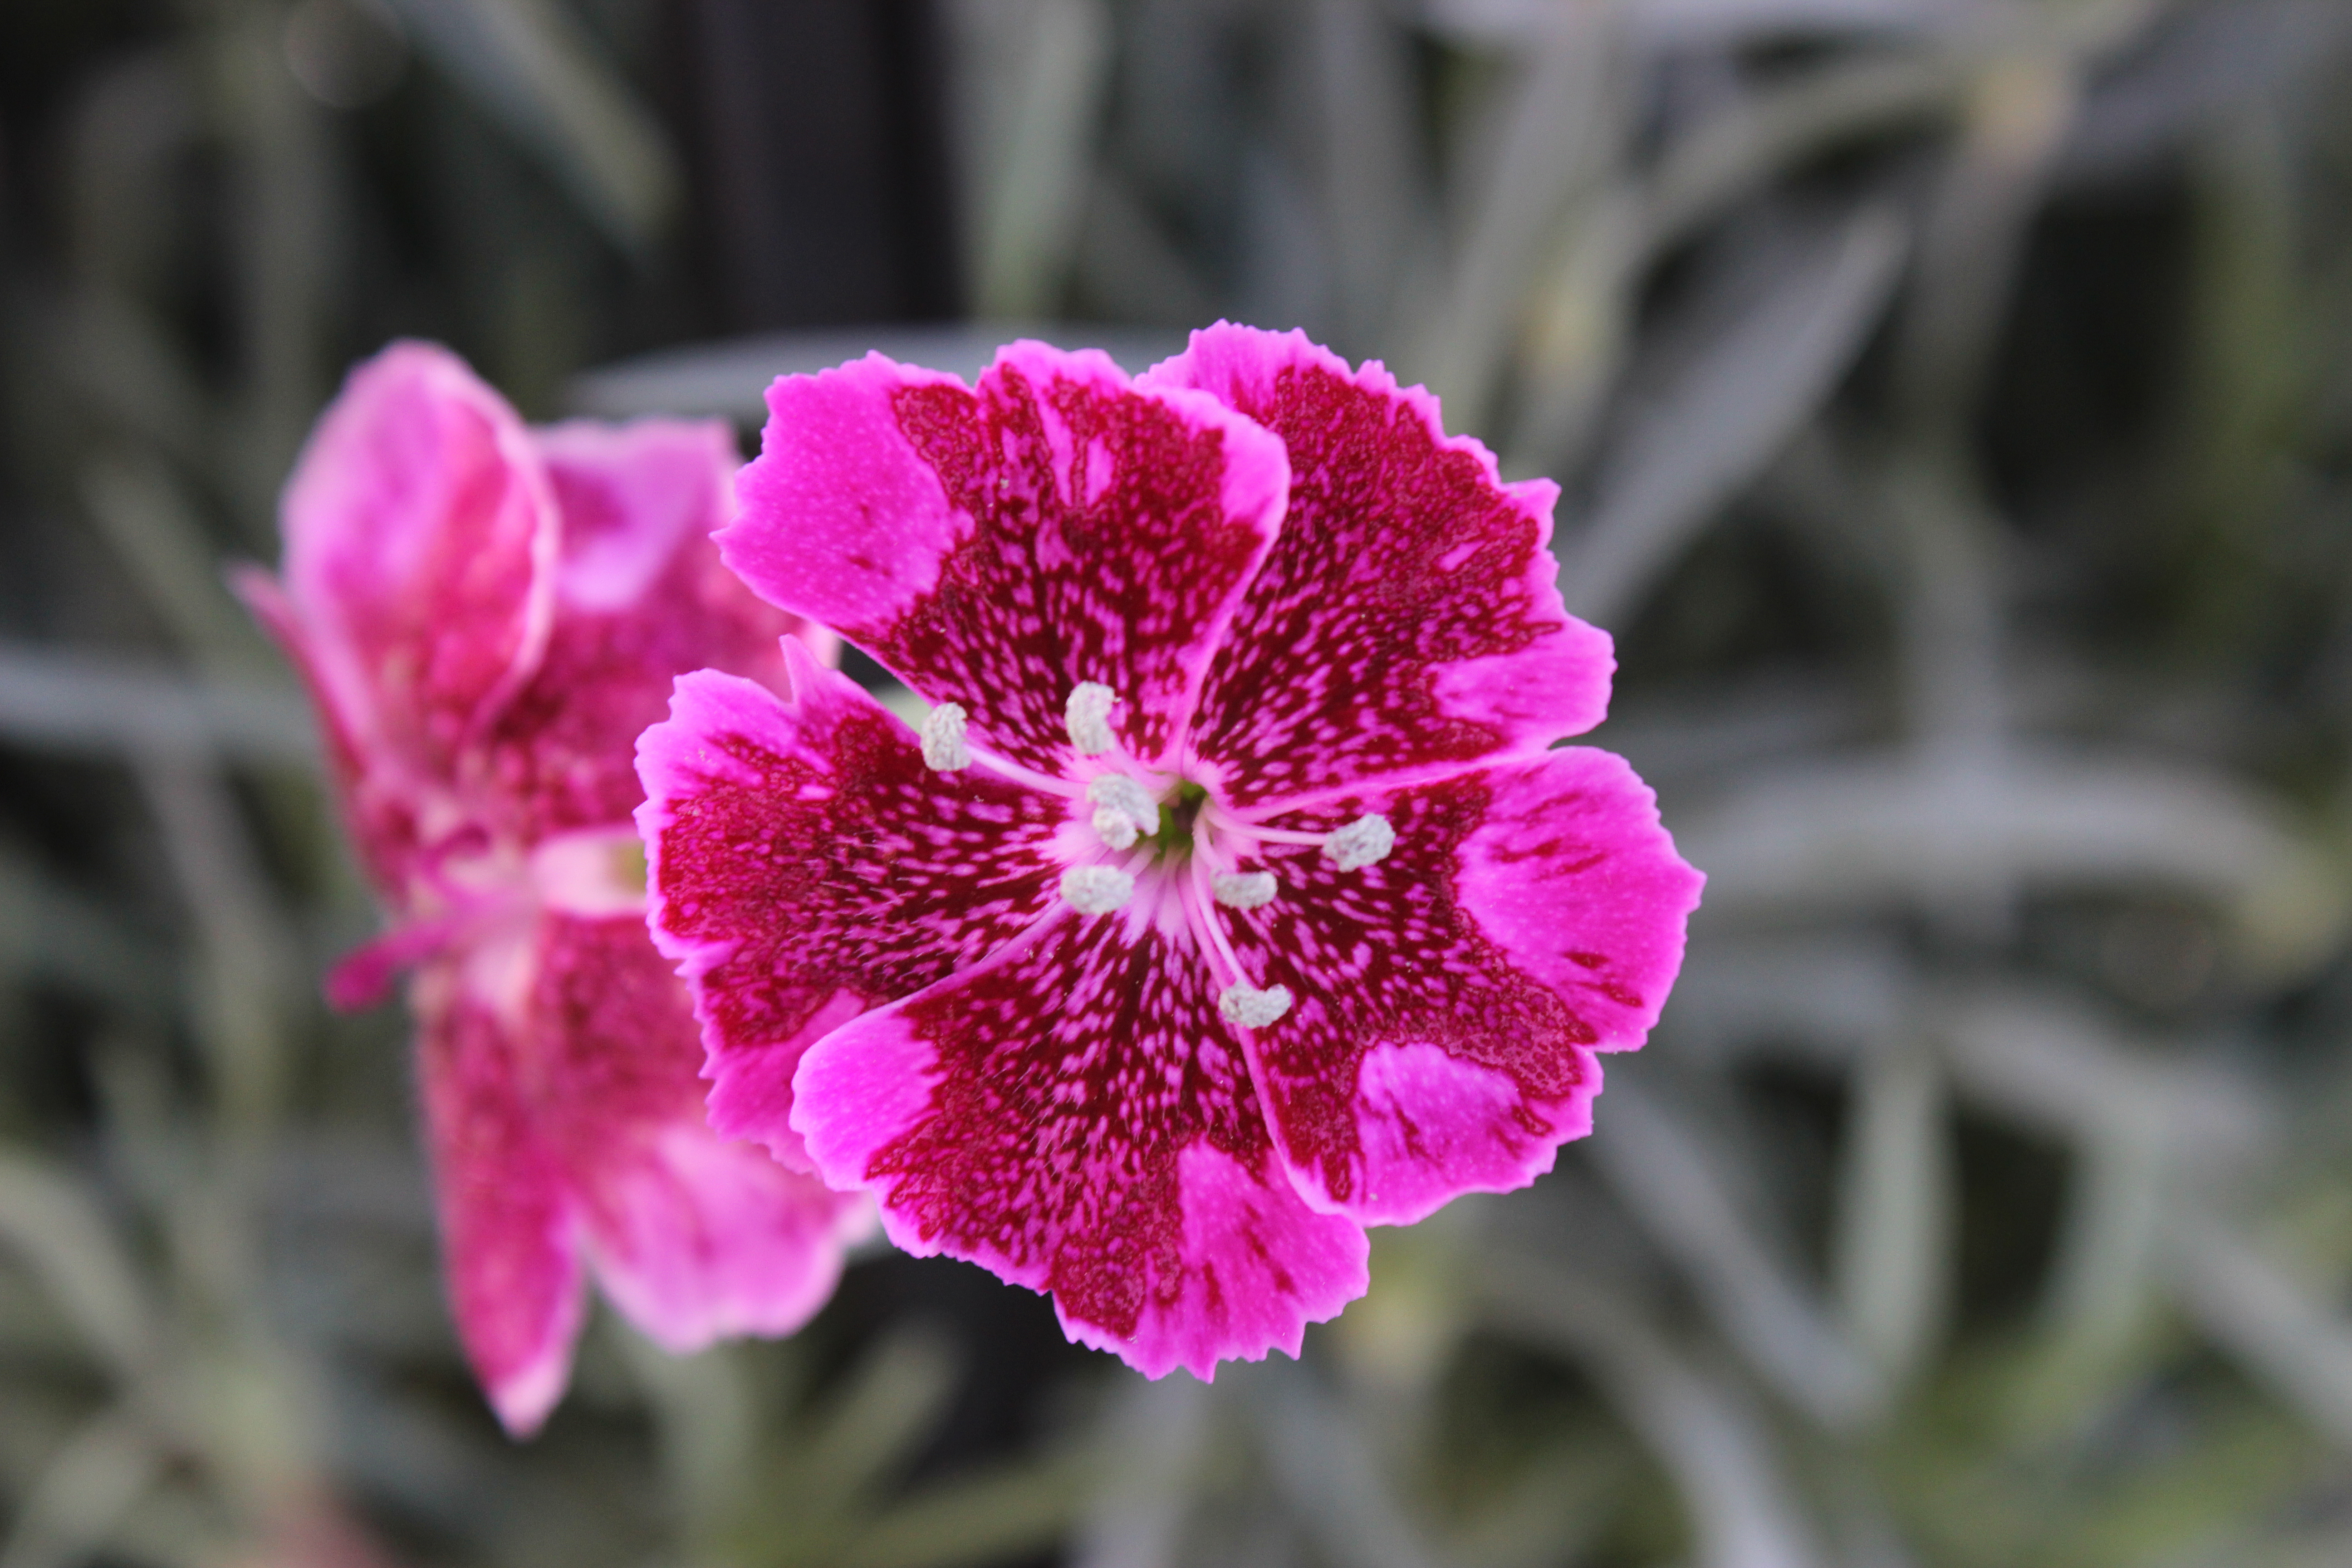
point(806, 865)
point(640, 597)
point(691, 1237)
point(1072, 1116)
point(421, 539)
point(1406, 623)
point(506, 1228)
point(1451, 997)
point(381, 823)
point(996, 548)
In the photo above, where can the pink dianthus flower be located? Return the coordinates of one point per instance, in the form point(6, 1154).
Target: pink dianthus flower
point(486, 617)
point(1229, 899)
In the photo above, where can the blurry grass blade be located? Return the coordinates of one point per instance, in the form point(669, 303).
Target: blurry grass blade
point(2270, 1324)
point(1729, 409)
point(2199, 65)
point(730, 378)
point(1008, 1512)
point(284, 254)
point(1663, 1175)
point(118, 358)
point(146, 522)
point(705, 1420)
point(1151, 1440)
point(129, 131)
point(532, 67)
point(84, 1494)
point(1372, 184)
point(2136, 1120)
point(1874, 832)
point(1321, 1466)
point(1972, 241)
point(1726, 728)
point(77, 702)
point(53, 1224)
point(1554, 1512)
point(1558, 128)
point(1893, 1247)
point(245, 980)
point(1830, 999)
point(1729, 155)
point(56, 933)
point(1697, 22)
point(1126, 265)
point(1286, 267)
point(2114, 1224)
point(1719, 1453)
point(1946, 556)
point(1578, 328)
point(1037, 138)
point(2045, 1058)
point(888, 1404)
point(2252, 364)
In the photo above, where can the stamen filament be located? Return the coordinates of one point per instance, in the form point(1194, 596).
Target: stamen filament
point(1200, 910)
point(1045, 784)
point(1219, 820)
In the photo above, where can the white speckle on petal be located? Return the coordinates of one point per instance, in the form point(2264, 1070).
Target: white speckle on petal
point(1116, 828)
point(1129, 798)
point(1097, 889)
point(943, 747)
point(1244, 890)
point(1252, 1008)
point(1087, 714)
point(1362, 843)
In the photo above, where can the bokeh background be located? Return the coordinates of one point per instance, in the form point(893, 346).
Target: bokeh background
point(1954, 403)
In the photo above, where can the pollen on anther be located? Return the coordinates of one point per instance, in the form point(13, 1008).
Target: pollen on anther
point(1362, 843)
point(1252, 1008)
point(1087, 716)
point(1097, 889)
point(1244, 890)
point(1115, 828)
point(943, 745)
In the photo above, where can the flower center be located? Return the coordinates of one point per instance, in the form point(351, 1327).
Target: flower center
point(1178, 813)
point(1148, 823)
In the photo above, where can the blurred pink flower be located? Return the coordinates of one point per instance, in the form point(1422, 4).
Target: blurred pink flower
point(1229, 899)
point(486, 617)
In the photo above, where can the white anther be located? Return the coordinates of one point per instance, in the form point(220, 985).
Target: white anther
point(943, 748)
point(1129, 798)
point(1252, 1008)
point(1116, 827)
point(1087, 714)
point(1097, 889)
point(1244, 889)
point(1360, 843)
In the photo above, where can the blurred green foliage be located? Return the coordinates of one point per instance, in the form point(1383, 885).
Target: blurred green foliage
point(1954, 399)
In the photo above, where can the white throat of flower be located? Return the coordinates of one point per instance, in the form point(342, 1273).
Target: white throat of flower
point(1129, 809)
